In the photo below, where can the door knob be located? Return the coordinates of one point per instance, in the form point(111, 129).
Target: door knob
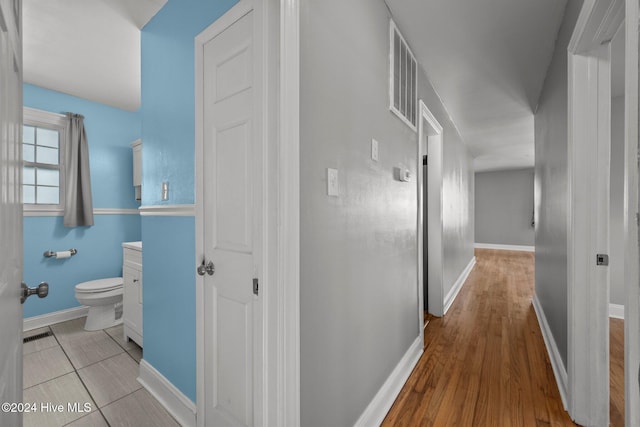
point(42, 290)
point(209, 268)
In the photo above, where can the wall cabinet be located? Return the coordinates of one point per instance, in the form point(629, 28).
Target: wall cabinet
point(132, 295)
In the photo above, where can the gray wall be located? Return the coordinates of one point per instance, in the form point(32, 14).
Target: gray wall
point(358, 300)
point(504, 207)
point(616, 230)
point(551, 186)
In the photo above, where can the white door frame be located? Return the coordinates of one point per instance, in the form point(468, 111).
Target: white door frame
point(288, 183)
point(589, 134)
point(277, 39)
point(632, 258)
point(429, 127)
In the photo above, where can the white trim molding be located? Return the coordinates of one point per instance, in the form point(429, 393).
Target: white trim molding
point(589, 147)
point(287, 286)
point(616, 311)
point(505, 247)
point(173, 400)
point(49, 319)
point(167, 210)
point(96, 211)
point(457, 286)
point(559, 371)
point(631, 273)
point(377, 409)
point(115, 211)
point(430, 143)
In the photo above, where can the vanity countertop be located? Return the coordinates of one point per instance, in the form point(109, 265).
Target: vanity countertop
point(133, 245)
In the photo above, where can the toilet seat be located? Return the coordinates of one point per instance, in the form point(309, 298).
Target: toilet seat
point(100, 285)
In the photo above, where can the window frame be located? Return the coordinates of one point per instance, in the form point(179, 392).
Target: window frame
point(48, 120)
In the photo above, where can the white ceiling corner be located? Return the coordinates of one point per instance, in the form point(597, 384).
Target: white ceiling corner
point(86, 48)
point(487, 59)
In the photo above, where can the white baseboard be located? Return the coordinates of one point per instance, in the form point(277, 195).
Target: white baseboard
point(505, 247)
point(49, 319)
point(374, 414)
point(176, 403)
point(559, 371)
point(457, 286)
point(616, 311)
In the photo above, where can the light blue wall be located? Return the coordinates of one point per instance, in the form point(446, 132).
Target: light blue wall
point(99, 255)
point(168, 96)
point(168, 133)
point(109, 132)
point(169, 318)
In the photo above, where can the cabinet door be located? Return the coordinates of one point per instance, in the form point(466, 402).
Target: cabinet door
point(132, 299)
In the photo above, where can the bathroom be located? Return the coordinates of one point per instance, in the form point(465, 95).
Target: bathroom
point(164, 121)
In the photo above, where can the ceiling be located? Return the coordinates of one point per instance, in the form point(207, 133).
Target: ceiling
point(487, 60)
point(87, 48)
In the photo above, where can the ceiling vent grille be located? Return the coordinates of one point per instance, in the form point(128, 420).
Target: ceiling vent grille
point(403, 72)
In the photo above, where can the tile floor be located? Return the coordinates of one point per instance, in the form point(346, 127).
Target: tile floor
point(95, 371)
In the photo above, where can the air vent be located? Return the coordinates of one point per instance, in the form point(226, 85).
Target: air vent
point(37, 337)
point(403, 72)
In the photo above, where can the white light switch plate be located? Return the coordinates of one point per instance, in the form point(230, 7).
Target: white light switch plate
point(332, 182)
point(374, 150)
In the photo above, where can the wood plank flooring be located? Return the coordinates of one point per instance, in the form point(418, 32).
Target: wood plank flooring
point(616, 378)
point(485, 363)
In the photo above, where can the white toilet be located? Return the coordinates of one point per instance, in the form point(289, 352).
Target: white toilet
point(102, 296)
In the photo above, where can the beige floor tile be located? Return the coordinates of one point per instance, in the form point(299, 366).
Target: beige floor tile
point(64, 390)
point(90, 348)
point(40, 343)
point(136, 353)
point(70, 329)
point(94, 419)
point(111, 379)
point(138, 409)
point(117, 333)
point(44, 365)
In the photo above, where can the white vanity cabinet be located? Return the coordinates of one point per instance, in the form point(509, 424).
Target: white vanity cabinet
point(132, 295)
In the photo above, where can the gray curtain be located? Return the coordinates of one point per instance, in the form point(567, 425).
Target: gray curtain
point(78, 207)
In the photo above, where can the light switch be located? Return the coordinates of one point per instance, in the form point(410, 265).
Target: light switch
point(332, 182)
point(374, 150)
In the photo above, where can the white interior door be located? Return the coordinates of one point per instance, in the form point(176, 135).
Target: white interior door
point(232, 225)
point(10, 211)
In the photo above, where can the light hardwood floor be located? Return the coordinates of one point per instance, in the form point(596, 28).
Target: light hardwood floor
point(616, 349)
point(485, 363)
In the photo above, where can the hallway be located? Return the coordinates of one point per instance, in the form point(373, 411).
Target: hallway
point(484, 363)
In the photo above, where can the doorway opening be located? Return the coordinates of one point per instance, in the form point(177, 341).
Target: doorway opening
point(429, 218)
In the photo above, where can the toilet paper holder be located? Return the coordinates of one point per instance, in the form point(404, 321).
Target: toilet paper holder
point(50, 254)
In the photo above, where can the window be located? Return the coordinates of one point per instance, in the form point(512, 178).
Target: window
point(43, 136)
point(403, 84)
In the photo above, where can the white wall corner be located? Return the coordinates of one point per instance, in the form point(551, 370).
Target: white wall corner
point(173, 400)
point(616, 311)
point(377, 409)
point(49, 319)
point(505, 247)
point(457, 286)
point(559, 370)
